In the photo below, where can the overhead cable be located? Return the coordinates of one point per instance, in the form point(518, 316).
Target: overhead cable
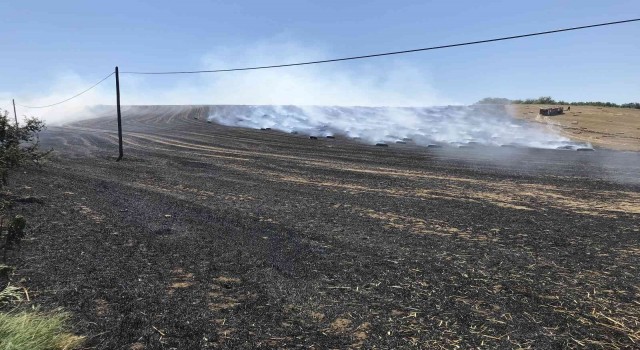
point(387, 53)
point(72, 97)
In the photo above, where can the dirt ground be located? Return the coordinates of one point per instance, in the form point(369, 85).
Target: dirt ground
point(613, 128)
point(208, 237)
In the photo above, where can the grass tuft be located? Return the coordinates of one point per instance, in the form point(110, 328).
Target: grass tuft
point(9, 294)
point(35, 330)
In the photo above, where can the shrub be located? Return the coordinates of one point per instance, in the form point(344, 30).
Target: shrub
point(18, 144)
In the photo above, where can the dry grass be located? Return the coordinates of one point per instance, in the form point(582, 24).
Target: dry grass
point(10, 294)
point(181, 279)
point(35, 330)
point(607, 127)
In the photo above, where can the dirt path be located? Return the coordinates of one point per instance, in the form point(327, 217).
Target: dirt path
point(214, 237)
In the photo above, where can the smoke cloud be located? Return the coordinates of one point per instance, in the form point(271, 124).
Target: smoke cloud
point(456, 126)
point(290, 99)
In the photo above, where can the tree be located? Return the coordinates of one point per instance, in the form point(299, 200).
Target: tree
point(544, 100)
point(19, 145)
point(494, 101)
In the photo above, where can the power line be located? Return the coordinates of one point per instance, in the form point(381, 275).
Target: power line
point(72, 97)
point(390, 53)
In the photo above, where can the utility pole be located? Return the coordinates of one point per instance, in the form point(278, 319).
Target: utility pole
point(14, 112)
point(119, 114)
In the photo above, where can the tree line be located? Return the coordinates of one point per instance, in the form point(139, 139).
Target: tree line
point(548, 100)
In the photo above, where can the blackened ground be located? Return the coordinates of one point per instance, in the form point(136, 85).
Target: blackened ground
point(207, 236)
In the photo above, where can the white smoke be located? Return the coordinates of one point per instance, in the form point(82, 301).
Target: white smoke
point(64, 86)
point(387, 82)
point(450, 125)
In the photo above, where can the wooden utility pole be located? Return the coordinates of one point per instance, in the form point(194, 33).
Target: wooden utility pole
point(119, 114)
point(14, 111)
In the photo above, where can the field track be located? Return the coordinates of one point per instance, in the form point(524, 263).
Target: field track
point(207, 236)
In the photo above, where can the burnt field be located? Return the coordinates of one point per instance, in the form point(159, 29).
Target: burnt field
point(207, 236)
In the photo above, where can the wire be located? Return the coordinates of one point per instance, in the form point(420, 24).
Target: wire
point(390, 53)
point(72, 97)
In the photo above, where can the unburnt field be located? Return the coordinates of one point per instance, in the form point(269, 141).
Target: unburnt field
point(207, 236)
point(613, 128)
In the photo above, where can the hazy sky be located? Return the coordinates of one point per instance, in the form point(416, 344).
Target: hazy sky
point(46, 44)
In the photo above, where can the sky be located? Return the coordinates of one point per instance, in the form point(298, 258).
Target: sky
point(54, 49)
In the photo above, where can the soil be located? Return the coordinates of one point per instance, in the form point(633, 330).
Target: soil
point(207, 236)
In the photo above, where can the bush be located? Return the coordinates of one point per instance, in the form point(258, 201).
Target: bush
point(18, 144)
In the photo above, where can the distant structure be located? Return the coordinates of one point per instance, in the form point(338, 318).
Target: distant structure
point(551, 111)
